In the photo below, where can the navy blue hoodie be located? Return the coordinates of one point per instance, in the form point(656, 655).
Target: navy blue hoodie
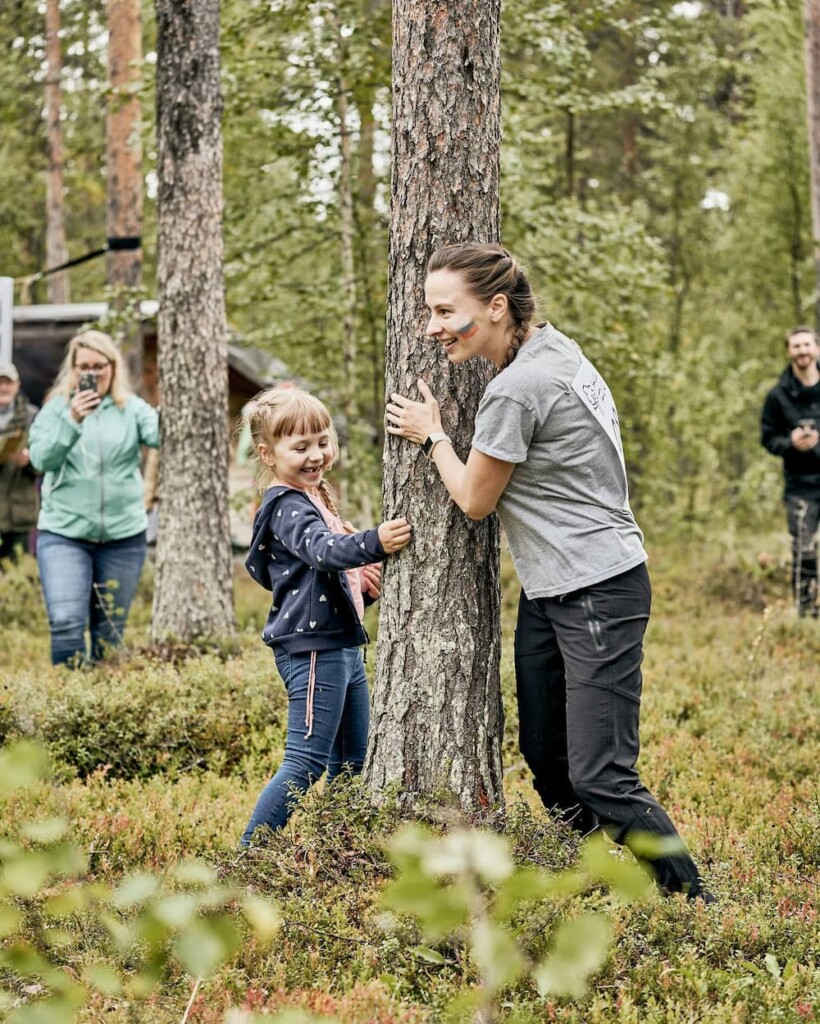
point(295, 555)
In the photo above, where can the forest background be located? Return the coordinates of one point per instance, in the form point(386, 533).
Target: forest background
point(654, 180)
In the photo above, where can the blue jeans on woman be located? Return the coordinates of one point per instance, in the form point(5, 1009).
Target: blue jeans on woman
point(88, 585)
point(328, 722)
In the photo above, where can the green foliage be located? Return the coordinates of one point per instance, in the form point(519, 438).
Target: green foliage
point(146, 925)
point(654, 178)
point(730, 742)
point(466, 887)
point(133, 720)
point(20, 596)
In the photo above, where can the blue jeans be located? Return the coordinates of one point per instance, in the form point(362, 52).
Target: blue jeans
point(86, 584)
point(327, 729)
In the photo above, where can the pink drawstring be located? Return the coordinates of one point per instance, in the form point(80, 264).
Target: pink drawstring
point(311, 689)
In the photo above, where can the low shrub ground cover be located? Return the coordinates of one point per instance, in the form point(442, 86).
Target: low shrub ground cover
point(157, 761)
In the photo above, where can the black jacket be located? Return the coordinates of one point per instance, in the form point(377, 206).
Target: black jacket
point(786, 404)
point(294, 555)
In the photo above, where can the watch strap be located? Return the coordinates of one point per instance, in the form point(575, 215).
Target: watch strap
point(432, 440)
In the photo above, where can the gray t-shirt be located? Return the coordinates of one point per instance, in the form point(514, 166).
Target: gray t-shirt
point(566, 508)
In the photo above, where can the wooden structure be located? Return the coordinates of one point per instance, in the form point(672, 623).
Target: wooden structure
point(40, 334)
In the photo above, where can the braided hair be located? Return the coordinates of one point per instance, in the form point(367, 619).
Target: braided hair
point(488, 269)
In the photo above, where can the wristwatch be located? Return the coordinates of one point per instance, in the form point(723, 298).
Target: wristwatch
point(432, 441)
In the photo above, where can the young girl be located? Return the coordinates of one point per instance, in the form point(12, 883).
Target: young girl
point(321, 573)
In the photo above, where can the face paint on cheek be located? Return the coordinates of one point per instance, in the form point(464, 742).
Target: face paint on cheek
point(468, 330)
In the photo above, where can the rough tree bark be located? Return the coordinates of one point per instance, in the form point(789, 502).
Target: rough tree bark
point(193, 595)
point(123, 147)
point(437, 716)
point(57, 287)
point(811, 11)
point(123, 142)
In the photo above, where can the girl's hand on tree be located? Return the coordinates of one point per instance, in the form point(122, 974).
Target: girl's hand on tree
point(394, 534)
point(372, 579)
point(414, 420)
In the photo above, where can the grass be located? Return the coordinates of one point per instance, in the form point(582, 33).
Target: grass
point(160, 761)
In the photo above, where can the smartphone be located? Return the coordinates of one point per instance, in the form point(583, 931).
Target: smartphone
point(806, 426)
point(87, 381)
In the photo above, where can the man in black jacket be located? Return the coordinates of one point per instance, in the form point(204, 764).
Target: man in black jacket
point(789, 429)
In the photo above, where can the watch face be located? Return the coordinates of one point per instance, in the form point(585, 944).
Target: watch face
point(427, 445)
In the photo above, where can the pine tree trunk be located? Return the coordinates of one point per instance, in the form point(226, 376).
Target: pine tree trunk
point(193, 594)
point(437, 716)
point(123, 142)
point(57, 285)
point(124, 160)
point(811, 9)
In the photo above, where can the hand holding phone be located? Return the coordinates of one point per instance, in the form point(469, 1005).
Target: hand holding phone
point(804, 436)
point(86, 398)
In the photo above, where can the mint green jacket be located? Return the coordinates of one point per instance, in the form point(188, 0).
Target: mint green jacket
point(92, 488)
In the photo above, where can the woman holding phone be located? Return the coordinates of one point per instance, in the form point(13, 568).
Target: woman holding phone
point(86, 441)
point(546, 455)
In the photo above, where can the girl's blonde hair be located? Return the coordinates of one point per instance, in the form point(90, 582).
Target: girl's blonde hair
point(103, 345)
point(284, 410)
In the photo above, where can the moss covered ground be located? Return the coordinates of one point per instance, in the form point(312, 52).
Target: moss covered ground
point(160, 757)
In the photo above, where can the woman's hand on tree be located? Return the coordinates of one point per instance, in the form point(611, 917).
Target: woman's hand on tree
point(414, 420)
point(394, 534)
point(83, 403)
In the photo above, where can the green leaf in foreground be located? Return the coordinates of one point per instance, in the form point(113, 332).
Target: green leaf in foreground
point(49, 1011)
point(49, 831)
point(21, 764)
point(428, 955)
point(206, 944)
point(262, 916)
point(580, 949)
point(9, 920)
point(103, 978)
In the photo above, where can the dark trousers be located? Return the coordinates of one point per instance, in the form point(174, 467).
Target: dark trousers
point(803, 517)
point(578, 677)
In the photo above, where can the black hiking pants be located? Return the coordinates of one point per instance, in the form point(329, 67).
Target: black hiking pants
point(578, 677)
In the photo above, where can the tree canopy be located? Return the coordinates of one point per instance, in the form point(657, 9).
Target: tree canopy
point(654, 178)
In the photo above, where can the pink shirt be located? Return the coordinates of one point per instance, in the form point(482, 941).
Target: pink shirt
point(354, 577)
